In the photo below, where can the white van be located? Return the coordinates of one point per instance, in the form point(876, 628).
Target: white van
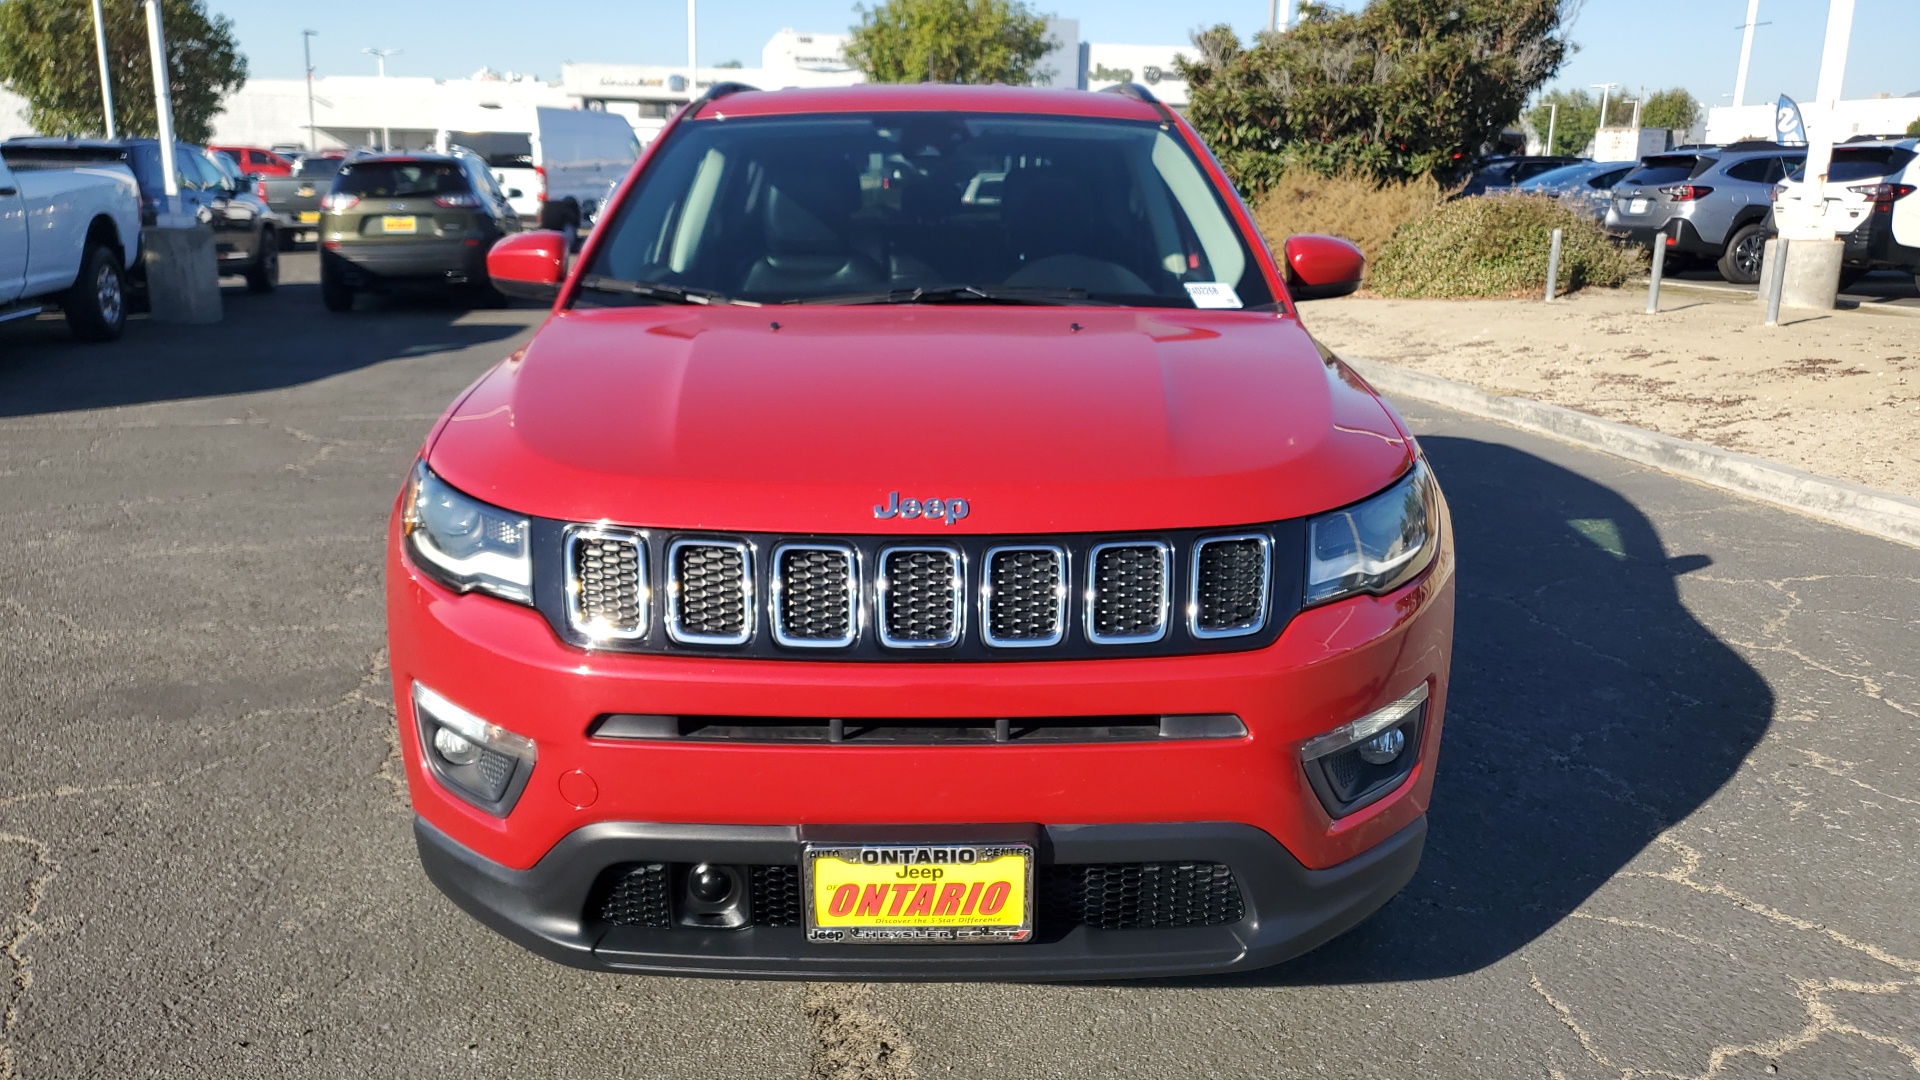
point(556, 165)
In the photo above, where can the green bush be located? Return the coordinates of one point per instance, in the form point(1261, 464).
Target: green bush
point(1913, 129)
point(1497, 246)
point(1352, 205)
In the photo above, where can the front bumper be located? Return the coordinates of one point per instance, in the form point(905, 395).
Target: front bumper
point(1289, 908)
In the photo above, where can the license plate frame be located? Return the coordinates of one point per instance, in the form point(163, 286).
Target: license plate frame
point(927, 871)
point(1638, 206)
point(399, 224)
point(309, 217)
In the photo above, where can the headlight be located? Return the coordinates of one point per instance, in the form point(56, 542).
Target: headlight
point(1377, 545)
point(465, 544)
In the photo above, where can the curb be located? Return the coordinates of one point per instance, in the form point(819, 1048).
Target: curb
point(1867, 305)
point(1869, 510)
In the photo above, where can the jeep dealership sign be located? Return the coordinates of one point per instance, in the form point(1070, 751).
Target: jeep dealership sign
point(1149, 65)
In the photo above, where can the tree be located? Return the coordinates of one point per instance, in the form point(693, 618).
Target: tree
point(1913, 129)
point(949, 41)
point(1572, 116)
point(1400, 88)
point(1673, 109)
point(47, 57)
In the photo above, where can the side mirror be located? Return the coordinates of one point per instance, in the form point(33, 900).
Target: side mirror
point(1322, 267)
point(529, 265)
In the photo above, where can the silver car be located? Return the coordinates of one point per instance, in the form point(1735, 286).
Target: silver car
point(1707, 205)
point(1585, 188)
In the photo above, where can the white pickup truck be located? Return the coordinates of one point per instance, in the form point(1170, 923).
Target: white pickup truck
point(68, 236)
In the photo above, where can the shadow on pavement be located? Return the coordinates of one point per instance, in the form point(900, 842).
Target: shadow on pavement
point(1588, 712)
point(264, 342)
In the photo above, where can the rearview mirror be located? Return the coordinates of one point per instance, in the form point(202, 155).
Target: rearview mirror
point(1322, 267)
point(529, 265)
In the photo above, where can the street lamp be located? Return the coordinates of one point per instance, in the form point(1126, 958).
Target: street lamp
point(106, 84)
point(1605, 89)
point(381, 55)
point(306, 44)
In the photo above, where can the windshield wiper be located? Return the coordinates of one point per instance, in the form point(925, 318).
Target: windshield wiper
point(660, 290)
point(961, 294)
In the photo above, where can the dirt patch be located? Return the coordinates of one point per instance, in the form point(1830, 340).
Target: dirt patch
point(1835, 394)
point(850, 1040)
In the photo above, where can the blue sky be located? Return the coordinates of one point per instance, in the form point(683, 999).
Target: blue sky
point(1651, 43)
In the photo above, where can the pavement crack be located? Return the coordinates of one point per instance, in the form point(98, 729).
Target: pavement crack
point(20, 925)
point(850, 1040)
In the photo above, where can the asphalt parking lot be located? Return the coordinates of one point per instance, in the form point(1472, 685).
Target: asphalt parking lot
point(1674, 832)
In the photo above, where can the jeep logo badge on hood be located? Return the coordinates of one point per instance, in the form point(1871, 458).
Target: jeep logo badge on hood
point(949, 510)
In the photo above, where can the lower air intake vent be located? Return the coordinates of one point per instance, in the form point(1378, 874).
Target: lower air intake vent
point(637, 896)
point(920, 594)
point(1139, 896)
point(711, 601)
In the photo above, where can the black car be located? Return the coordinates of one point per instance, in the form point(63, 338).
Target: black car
point(411, 219)
point(246, 232)
point(1505, 173)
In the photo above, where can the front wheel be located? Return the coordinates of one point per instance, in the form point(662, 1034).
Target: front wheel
point(264, 275)
point(335, 293)
point(1746, 248)
point(96, 304)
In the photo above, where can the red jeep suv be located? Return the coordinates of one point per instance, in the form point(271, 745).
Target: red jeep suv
point(923, 542)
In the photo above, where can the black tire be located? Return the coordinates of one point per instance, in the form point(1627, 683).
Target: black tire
point(563, 216)
point(482, 294)
point(264, 275)
point(1740, 263)
point(334, 292)
point(96, 304)
point(1851, 275)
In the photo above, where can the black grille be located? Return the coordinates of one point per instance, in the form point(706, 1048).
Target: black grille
point(1230, 578)
point(1103, 896)
point(919, 602)
point(1026, 602)
point(711, 580)
point(607, 578)
point(775, 891)
point(1139, 896)
point(816, 594)
point(637, 896)
point(1129, 591)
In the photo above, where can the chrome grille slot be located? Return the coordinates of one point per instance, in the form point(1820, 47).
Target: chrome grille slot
point(710, 592)
point(816, 596)
point(1127, 592)
point(1025, 597)
point(1229, 585)
point(608, 597)
point(920, 597)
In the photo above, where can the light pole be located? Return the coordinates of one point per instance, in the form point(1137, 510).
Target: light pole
point(693, 71)
point(1553, 119)
point(306, 44)
point(380, 55)
point(100, 46)
point(1746, 53)
point(163, 106)
point(1605, 89)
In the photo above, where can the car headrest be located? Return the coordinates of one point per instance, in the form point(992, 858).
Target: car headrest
point(808, 207)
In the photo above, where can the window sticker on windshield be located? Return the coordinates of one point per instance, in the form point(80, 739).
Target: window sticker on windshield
point(1212, 294)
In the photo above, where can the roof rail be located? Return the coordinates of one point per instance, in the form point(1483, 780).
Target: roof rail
point(716, 92)
point(1758, 144)
point(1142, 94)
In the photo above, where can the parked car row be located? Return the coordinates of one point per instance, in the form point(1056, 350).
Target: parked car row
point(1714, 205)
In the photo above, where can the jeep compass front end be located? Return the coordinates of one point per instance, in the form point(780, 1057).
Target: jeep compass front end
point(922, 543)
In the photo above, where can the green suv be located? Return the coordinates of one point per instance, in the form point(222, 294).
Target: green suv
point(412, 219)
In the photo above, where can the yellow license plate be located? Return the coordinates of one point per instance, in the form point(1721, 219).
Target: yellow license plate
point(920, 894)
point(308, 217)
point(397, 223)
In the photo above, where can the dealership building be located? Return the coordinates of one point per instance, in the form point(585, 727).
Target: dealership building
point(406, 113)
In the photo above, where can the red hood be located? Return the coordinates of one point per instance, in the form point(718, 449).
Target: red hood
point(709, 418)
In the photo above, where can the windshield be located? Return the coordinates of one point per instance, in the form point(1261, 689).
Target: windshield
point(1665, 170)
point(499, 149)
point(976, 207)
point(1859, 163)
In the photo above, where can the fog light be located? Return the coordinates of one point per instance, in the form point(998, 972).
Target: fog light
point(708, 884)
point(482, 762)
point(1384, 747)
point(713, 897)
point(453, 748)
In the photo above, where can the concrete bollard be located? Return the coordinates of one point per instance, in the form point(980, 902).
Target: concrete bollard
point(1809, 273)
point(1553, 266)
point(1659, 267)
point(183, 275)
